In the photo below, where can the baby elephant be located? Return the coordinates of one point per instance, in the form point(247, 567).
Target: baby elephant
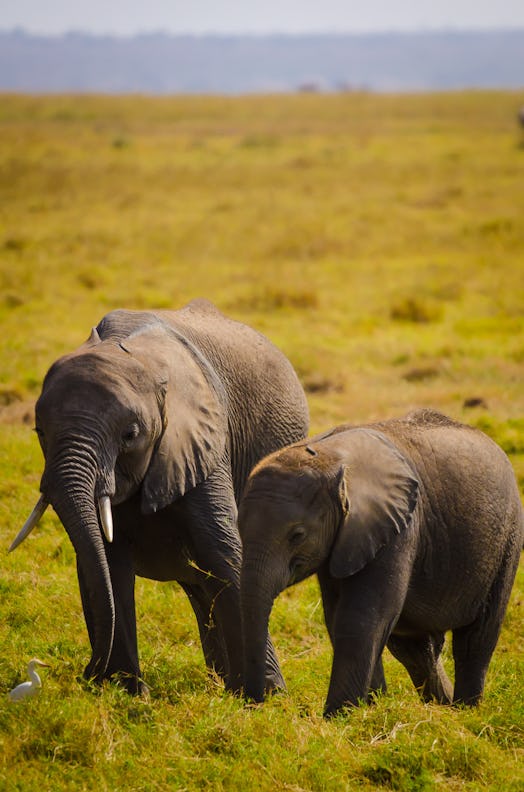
point(414, 526)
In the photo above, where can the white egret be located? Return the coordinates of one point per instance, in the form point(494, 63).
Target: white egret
point(30, 688)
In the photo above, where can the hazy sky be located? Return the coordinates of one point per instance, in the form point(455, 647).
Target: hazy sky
point(126, 17)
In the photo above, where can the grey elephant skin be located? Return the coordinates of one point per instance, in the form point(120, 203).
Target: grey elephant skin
point(414, 527)
point(162, 415)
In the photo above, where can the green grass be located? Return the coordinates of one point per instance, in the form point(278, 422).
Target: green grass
point(378, 240)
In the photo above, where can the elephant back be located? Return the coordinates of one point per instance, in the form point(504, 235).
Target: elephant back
point(267, 407)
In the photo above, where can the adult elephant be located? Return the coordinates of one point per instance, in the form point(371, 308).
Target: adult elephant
point(414, 527)
point(158, 419)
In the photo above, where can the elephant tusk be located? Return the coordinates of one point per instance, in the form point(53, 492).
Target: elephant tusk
point(30, 523)
point(106, 518)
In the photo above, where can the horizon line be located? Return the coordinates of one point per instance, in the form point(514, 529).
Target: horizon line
point(447, 29)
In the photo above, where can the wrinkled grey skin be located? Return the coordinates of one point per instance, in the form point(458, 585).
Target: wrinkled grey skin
point(414, 527)
point(166, 413)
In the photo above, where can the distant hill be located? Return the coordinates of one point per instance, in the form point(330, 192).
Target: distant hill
point(160, 63)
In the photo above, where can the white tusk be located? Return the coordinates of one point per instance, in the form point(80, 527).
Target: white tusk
point(30, 523)
point(106, 518)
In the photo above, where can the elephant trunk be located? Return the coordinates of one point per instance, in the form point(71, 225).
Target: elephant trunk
point(69, 483)
point(257, 596)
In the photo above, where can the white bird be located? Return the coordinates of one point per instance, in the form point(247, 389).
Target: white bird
point(30, 688)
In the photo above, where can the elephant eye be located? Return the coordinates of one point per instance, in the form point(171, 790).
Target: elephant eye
point(297, 534)
point(40, 435)
point(130, 434)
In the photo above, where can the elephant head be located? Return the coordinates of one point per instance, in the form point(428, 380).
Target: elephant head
point(123, 416)
point(327, 502)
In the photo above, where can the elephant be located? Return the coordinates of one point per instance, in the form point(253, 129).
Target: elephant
point(157, 420)
point(413, 526)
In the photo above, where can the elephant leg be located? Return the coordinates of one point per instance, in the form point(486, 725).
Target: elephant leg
point(378, 681)
point(474, 644)
point(220, 620)
point(123, 662)
point(330, 589)
point(212, 645)
point(210, 517)
point(357, 647)
point(420, 656)
point(352, 669)
point(218, 602)
point(368, 606)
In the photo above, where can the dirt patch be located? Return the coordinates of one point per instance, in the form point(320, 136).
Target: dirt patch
point(475, 401)
point(18, 412)
point(421, 374)
point(316, 383)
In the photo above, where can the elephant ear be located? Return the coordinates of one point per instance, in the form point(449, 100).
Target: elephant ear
point(378, 493)
point(192, 404)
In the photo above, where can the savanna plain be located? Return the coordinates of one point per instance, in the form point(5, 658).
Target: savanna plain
point(379, 242)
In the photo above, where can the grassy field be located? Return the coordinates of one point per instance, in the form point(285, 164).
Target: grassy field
point(379, 241)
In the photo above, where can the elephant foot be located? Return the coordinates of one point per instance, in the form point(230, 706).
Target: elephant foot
point(471, 701)
point(437, 687)
point(92, 675)
point(131, 683)
point(330, 712)
point(375, 694)
point(233, 685)
point(274, 685)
